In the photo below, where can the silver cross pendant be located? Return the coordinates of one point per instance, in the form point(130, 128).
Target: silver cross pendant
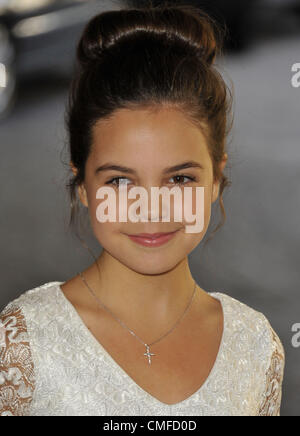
point(148, 354)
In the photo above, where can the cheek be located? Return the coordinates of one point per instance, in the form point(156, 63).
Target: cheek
point(196, 209)
point(109, 236)
point(98, 209)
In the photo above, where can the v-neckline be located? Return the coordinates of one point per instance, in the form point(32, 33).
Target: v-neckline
point(99, 347)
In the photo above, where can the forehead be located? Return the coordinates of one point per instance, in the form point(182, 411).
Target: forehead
point(147, 134)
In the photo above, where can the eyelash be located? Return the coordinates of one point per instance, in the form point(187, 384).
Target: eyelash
point(191, 179)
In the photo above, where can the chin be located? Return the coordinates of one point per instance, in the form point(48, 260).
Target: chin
point(148, 264)
point(154, 269)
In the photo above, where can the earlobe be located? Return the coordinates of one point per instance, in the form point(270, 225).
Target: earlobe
point(80, 189)
point(74, 170)
point(83, 195)
point(216, 185)
point(224, 162)
point(215, 192)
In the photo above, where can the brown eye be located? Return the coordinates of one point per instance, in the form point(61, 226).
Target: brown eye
point(116, 181)
point(179, 179)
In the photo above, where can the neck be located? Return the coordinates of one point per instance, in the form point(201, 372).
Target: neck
point(141, 300)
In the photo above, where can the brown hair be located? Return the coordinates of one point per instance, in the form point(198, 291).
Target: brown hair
point(149, 57)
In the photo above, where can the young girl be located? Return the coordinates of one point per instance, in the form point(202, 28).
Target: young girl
point(133, 334)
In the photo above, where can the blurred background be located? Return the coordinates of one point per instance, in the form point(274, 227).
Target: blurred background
point(255, 257)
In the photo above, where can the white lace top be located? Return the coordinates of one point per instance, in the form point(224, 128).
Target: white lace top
point(52, 365)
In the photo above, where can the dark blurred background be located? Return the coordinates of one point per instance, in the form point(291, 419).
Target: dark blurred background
point(255, 257)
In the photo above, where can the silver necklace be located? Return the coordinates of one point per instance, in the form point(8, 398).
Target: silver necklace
point(148, 353)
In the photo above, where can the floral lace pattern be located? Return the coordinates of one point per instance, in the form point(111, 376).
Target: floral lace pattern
point(51, 365)
point(272, 394)
point(16, 365)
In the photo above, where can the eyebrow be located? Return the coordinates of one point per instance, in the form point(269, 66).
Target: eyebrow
point(122, 169)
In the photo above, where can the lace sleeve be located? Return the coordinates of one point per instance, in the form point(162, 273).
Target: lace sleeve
point(16, 365)
point(271, 401)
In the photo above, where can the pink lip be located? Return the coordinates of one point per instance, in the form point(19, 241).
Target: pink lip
point(152, 239)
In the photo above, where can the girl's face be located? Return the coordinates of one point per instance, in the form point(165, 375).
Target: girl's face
point(147, 143)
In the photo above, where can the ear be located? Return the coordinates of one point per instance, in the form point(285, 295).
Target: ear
point(216, 184)
point(81, 188)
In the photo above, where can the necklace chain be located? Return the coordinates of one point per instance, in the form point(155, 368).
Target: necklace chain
point(147, 354)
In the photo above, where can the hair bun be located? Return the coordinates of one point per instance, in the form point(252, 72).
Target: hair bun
point(196, 31)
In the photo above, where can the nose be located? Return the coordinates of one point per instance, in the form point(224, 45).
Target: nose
point(157, 211)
